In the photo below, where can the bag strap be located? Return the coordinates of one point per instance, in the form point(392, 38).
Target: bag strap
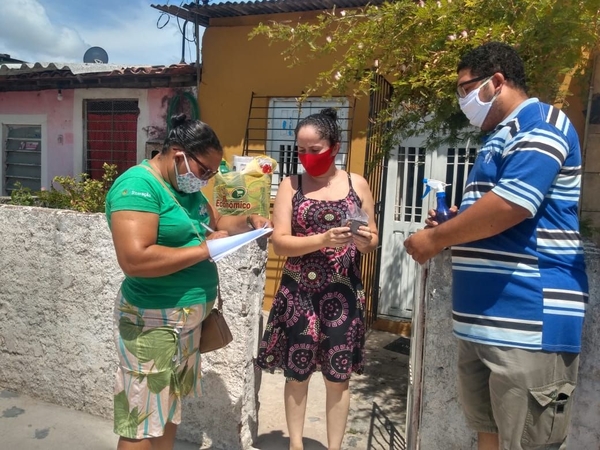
point(162, 181)
point(219, 298)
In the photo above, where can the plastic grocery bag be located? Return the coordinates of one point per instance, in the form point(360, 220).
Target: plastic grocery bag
point(245, 192)
point(355, 218)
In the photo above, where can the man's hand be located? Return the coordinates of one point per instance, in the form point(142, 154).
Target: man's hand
point(430, 222)
point(421, 246)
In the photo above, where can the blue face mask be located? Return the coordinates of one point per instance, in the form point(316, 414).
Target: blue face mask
point(188, 183)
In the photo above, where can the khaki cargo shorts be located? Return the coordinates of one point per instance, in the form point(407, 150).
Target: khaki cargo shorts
point(525, 396)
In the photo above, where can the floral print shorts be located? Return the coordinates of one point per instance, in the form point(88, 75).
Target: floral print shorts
point(159, 364)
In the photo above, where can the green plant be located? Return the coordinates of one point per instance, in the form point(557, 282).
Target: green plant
point(53, 198)
point(86, 194)
point(22, 195)
point(416, 45)
point(83, 194)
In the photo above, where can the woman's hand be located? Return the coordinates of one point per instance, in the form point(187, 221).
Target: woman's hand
point(237, 224)
point(258, 221)
point(336, 237)
point(363, 237)
point(217, 235)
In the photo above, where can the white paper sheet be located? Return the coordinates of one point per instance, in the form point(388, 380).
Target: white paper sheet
point(220, 248)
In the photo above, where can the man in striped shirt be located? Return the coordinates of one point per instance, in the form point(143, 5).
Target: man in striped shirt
point(519, 283)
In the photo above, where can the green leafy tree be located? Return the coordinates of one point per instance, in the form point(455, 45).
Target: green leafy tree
point(416, 45)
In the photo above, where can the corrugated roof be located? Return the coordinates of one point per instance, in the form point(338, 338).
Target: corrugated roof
point(40, 76)
point(251, 8)
point(88, 68)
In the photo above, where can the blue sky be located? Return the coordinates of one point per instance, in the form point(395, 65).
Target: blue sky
point(62, 30)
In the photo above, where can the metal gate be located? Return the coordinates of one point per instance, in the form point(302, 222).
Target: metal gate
point(408, 164)
point(375, 172)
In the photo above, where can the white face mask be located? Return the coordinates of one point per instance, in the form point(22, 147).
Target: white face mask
point(472, 107)
point(188, 182)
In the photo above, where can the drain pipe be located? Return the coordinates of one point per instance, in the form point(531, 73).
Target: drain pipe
point(197, 50)
point(182, 61)
point(586, 128)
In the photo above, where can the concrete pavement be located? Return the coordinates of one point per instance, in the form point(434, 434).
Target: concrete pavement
point(377, 413)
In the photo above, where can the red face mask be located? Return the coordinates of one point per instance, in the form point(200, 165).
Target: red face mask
point(316, 164)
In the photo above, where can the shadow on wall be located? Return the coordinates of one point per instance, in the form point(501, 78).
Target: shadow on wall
point(399, 279)
point(218, 421)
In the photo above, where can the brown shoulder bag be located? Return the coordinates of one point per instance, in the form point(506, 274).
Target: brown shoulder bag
point(215, 333)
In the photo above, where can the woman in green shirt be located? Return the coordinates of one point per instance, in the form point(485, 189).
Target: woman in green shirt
point(159, 221)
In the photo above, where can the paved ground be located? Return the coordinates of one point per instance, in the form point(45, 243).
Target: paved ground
point(377, 406)
point(376, 422)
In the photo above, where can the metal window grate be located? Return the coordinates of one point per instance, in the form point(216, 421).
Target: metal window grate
point(22, 157)
point(111, 135)
point(411, 170)
point(270, 130)
point(458, 165)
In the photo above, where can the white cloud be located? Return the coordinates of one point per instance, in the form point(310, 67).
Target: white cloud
point(135, 39)
point(27, 33)
point(128, 34)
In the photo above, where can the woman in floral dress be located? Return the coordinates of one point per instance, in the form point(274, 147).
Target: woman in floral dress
point(317, 318)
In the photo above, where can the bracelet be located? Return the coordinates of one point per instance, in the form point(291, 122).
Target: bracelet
point(249, 223)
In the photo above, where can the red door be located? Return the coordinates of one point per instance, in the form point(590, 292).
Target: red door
point(111, 135)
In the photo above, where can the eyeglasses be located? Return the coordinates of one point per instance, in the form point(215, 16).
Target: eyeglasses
point(460, 89)
point(208, 173)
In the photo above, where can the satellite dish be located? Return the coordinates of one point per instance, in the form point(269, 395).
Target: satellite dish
point(95, 55)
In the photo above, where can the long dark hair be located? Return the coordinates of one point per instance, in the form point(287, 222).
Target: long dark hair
point(325, 123)
point(194, 136)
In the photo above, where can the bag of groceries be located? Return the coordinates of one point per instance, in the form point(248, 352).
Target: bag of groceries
point(247, 191)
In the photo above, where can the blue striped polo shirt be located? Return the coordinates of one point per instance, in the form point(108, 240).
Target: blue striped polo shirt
point(525, 287)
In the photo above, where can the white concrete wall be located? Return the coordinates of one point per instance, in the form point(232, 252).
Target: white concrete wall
point(58, 281)
point(441, 424)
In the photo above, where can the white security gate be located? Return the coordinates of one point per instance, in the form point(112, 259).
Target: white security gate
point(406, 211)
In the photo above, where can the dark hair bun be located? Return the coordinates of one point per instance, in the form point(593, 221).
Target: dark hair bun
point(177, 119)
point(330, 112)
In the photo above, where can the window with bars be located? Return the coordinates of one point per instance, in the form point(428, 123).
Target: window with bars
point(111, 134)
point(411, 169)
point(22, 157)
point(271, 125)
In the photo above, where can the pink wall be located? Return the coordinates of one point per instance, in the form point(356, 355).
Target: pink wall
point(158, 104)
point(59, 138)
point(59, 116)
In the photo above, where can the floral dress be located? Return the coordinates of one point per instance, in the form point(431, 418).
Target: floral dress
point(316, 321)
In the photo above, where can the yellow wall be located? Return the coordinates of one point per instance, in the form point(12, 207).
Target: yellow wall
point(233, 67)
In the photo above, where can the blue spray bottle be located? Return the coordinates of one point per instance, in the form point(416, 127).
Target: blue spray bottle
point(442, 212)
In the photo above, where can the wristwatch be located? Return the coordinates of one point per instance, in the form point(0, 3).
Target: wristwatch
point(249, 222)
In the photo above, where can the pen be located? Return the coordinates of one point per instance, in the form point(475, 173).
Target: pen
point(209, 229)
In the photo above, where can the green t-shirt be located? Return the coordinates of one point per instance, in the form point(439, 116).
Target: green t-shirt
point(138, 190)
